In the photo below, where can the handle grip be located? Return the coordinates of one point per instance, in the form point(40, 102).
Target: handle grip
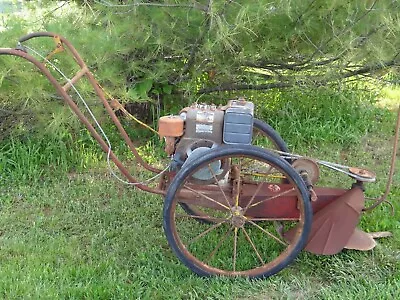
point(35, 35)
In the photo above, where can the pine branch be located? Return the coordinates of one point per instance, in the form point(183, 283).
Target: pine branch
point(196, 46)
point(300, 17)
point(371, 68)
point(275, 65)
point(346, 29)
point(240, 87)
point(309, 64)
point(311, 80)
point(46, 15)
point(195, 5)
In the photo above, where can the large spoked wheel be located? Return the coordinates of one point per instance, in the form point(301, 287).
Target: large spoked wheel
point(241, 236)
point(263, 136)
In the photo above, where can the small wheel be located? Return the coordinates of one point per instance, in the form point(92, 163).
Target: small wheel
point(240, 237)
point(263, 136)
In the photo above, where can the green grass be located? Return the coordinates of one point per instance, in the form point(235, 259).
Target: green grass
point(321, 116)
point(69, 230)
point(29, 159)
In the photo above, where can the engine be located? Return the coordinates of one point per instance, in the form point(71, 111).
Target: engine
point(200, 128)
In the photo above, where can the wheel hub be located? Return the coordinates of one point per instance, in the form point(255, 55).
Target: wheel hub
point(237, 218)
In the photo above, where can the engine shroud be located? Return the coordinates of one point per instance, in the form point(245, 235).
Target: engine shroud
point(203, 128)
point(207, 127)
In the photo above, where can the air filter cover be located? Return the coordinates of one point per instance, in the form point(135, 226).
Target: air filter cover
point(238, 122)
point(170, 126)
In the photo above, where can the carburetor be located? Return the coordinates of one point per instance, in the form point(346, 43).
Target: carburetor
point(202, 127)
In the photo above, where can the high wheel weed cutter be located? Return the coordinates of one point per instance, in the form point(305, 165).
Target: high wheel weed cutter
point(231, 207)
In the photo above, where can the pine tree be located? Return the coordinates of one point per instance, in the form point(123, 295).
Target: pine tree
point(185, 49)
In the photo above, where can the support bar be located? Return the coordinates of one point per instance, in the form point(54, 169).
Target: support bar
point(74, 79)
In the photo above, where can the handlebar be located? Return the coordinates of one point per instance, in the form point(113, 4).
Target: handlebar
point(64, 41)
point(36, 34)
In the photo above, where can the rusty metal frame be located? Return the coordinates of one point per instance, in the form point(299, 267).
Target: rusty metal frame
point(62, 91)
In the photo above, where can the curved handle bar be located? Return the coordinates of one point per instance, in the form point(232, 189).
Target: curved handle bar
point(37, 34)
point(74, 107)
point(62, 39)
point(84, 71)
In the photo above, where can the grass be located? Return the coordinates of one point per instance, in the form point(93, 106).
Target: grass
point(84, 235)
point(31, 158)
point(321, 116)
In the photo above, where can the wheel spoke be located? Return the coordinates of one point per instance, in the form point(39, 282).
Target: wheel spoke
point(273, 197)
point(206, 197)
point(206, 231)
point(236, 177)
point(268, 233)
point(201, 217)
point(235, 248)
point(207, 235)
point(253, 246)
point(237, 190)
point(219, 185)
point(221, 241)
point(252, 197)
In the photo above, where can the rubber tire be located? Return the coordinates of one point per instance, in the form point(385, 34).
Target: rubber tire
point(226, 150)
point(272, 134)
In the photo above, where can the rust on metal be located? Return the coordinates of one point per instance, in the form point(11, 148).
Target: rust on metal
point(170, 126)
point(361, 241)
point(279, 202)
point(309, 166)
point(98, 91)
point(362, 173)
point(74, 79)
point(169, 145)
point(237, 217)
point(333, 225)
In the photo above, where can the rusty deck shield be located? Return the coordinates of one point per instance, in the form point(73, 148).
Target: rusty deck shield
point(361, 241)
point(334, 225)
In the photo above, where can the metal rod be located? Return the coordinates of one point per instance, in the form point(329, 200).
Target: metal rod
point(107, 106)
point(74, 79)
point(392, 166)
